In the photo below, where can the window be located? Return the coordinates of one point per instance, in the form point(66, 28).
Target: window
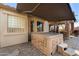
point(16, 24)
point(39, 26)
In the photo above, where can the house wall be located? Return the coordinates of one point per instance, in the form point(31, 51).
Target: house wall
point(8, 39)
point(0, 26)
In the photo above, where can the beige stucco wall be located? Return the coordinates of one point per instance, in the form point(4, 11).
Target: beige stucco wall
point(0, 25)
point(8, 39)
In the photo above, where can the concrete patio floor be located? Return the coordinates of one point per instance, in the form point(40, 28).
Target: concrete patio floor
point(27, 49)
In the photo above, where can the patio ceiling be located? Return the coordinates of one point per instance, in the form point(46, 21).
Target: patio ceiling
point(49, 11)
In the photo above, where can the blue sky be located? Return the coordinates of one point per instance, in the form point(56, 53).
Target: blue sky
point(11, 4)
point(75, 9)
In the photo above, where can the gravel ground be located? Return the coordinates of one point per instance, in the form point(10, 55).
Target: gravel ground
point(73, 42)
point(27, 49)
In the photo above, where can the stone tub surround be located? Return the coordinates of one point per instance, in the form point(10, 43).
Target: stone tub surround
point(46, 42)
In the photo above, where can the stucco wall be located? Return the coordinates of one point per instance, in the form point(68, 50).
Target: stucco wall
point(8, 39)
point(0, 25)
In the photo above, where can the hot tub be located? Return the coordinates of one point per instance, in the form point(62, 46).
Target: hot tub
point(46, 42)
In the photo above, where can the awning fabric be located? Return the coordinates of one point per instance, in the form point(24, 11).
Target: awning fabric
point(49, 11)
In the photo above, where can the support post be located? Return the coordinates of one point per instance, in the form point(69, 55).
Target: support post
point(35, 25)
point(72, 27)
point(67, 29)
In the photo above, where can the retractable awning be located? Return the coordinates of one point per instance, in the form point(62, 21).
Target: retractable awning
point(49, 11)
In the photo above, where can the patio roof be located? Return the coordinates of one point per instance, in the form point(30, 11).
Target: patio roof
point(49, 11)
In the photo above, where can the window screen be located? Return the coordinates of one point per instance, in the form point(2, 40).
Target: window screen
point(16, 24)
